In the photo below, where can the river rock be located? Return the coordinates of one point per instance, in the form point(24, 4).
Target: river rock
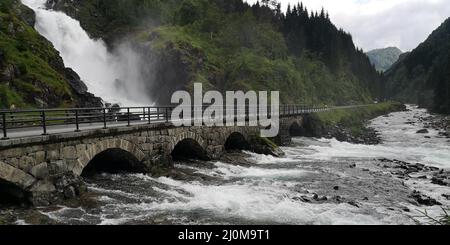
point(70, 192)
point(318, 198)
point(442, 178)
point(423, 199)
point(354, 204)
point(337, 199)
point(423, 131)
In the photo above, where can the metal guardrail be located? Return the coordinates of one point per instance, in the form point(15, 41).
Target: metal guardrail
point(114, 116)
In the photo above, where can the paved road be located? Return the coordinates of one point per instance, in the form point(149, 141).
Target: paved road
point(37, 131)
point(59, 129)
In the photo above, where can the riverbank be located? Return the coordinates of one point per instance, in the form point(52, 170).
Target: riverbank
point(349, 124)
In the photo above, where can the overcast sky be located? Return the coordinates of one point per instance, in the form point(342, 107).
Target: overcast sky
point(383, 23)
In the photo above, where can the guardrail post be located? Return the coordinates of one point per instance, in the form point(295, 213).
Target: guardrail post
point(149, 115)
point(128, 117)
point(167, 114)
point(44, 123)
point(143, 110)
point(104, 119)
point(5, 134)
point(77, 122)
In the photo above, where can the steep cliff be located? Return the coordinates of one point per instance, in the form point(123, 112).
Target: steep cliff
point(32, 74)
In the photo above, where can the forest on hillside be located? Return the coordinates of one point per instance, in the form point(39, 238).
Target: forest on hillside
point(423, 75)
point(226, 45)
point(230, 45)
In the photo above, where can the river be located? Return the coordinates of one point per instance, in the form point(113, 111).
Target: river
point(319, 181)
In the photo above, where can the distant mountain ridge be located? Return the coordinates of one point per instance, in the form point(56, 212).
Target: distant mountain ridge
point(384, 58)
point(423, 76)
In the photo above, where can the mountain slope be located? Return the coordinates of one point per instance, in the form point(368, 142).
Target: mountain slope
point(422, 76)
point(32, 73)
point(230, 45)
point(383, 59)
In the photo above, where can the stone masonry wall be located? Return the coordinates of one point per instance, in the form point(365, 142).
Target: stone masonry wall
point(48, 168)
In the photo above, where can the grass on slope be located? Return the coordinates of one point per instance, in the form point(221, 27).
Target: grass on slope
point(354, 118)
point(30, 55)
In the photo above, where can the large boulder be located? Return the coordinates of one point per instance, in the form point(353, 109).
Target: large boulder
point(75, 81)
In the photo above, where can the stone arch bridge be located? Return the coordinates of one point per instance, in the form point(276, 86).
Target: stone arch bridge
point(44, 169)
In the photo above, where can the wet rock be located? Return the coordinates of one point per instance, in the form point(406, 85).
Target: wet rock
point(318, 198)
point(337, 199)
point(405, 209)
point(301, 190)
point(441, 180)
point(385, 160)
point(69, 181)
point(85, 99)
point(431, 169)
point(444, 134)
point(354, 204)
point(423, 131)
point(75, 81)
point(70, 192)
point(265, 146)
point(423, 199)
point(302, 199)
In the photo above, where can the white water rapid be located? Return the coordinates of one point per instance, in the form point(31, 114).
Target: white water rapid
point(114, 76)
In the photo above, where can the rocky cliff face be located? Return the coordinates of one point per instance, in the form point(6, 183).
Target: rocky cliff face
point(32, 73)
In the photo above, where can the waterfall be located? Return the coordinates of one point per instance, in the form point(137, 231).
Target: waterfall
point(114, 76)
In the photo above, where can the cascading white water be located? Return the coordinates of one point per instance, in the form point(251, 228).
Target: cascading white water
point(115, 77)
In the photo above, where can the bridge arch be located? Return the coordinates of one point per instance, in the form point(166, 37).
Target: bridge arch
point(236, 140)
point(294, 127)
point(14, 184)
point(12, 195)
point(188, 145)
point(112, 155)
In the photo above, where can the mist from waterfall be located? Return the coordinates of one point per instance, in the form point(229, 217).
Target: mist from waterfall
point(114, 76)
